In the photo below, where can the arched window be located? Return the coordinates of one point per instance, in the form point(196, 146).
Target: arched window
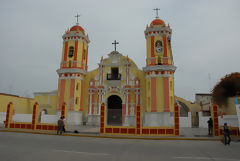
point(70, 51)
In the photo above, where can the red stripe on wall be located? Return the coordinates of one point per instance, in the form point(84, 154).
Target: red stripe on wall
point(165, 61)
point(81, 100)
point(72, 90)
point(62, 90)
point(92, 104)
point(153, 95)
point(166, 94)
point(82, 56)
point(129, 100)
point(86, 59)
point(65, 51)
point(152, 50)
point(75, 53)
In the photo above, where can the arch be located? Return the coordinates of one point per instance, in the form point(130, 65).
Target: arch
point(114, 110)
point(183, 109)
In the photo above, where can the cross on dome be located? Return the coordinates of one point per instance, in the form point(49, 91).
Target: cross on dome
point(77, 18)
point(157, 9)
point(115, 44)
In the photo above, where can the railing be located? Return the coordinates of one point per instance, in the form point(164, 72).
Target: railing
point(113, 76)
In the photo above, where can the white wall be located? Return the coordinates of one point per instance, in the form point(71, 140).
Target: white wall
point(2, 117)
point(51, 119)
point(186, 121)
point(203, 120)
point(22, 118)
point(231, 120)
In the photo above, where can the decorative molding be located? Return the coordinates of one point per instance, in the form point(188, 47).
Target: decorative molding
point(159, 75)
point(71, 70)
point(160, 68)
point(75, 36)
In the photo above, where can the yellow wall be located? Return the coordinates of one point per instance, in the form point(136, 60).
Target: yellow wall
point(48, 102)
point(20, 104)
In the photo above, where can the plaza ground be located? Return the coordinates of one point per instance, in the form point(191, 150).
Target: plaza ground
point(28, 147)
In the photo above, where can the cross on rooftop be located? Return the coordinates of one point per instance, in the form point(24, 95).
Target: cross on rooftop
point(77, 18)
point(157, 9)
point(115, 44)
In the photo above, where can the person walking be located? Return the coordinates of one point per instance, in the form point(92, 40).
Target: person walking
point(60, 126)
point(210, 126)
point(63, 118)
point(226, 133)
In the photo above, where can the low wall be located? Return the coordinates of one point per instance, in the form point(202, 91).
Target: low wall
point(2, 117)
point(231, 120)
point(186, 121)
point(203, 120)
point(22, 118)
point(50, 119)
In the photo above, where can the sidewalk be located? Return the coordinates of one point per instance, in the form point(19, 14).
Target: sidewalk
point(198, 134)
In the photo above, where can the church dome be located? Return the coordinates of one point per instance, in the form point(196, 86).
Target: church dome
point(77, 28)
point(158, 21)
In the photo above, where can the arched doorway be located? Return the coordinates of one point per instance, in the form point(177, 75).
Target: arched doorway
point(114, 110)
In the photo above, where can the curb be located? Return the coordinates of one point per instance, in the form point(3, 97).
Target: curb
point(119, 137)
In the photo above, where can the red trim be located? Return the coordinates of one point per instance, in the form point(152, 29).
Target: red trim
point(71, 98)
point(152, 50)
point(92, 104)
point(153, 95)
point(62, 91)
point(81, 100)
point(75, 53)
point(86, 59)
point(65, 53)
point(82, 56)
point(166, 95)
point(129, 100)
point(165, 61)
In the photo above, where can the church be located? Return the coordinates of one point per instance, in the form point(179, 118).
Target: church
point(118, 82)
point(117, 95)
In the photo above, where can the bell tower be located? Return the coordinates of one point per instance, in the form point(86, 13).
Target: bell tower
point(159, 70)
point(73, 68)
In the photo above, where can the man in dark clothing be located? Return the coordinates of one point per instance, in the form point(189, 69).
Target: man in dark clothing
point(226, 133)
point(60, 126)
point(210, 126)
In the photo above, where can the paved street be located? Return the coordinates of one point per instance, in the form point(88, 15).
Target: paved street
point(35, 147)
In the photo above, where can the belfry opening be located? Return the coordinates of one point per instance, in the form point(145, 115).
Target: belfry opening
point(114, 110)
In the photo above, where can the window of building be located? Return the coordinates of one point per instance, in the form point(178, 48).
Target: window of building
point(114, 74)
point(70, 51)
point(77, 86)
point(76, 101)
point(84, 54)
point(148, 102)
point(171, 85)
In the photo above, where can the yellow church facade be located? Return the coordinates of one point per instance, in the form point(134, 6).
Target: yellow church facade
point(118, 82)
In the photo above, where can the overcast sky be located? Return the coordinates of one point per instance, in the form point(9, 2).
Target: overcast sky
point(205, 39)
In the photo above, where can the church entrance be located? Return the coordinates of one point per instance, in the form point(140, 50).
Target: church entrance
point(114, 110)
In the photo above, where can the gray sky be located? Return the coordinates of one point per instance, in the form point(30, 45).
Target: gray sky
point(205, 39)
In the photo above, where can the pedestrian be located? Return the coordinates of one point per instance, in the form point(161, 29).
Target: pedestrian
point(210, 126)
point(63, 118)
point(60, 126)
point(226, 133)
